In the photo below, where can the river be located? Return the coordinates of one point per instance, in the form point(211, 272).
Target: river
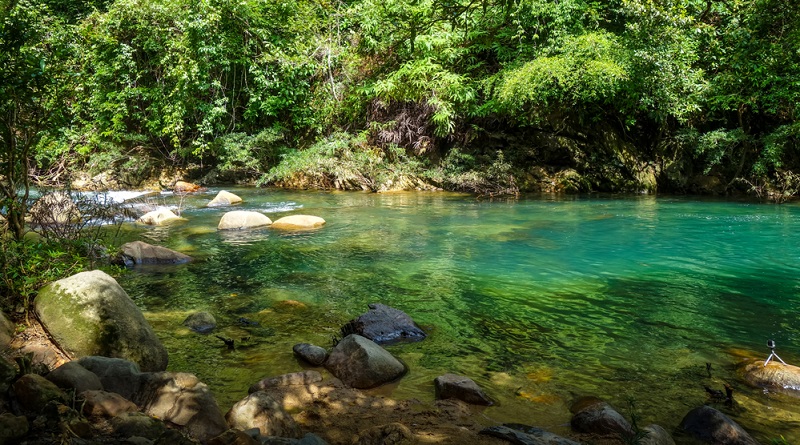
point(539, 300)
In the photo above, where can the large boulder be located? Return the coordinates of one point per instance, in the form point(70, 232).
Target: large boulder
point(181, 399)
point(259, 410)
point(54, 208)
point(298, 222)
point(361, 363)
point(594, 416)
point(452, 386)
point(243, 219)
point(711, 426)
point(224, 198)
point(384, 325)
point(90, 314)
point(139, 252)
point(775, 375)
point(158, 217)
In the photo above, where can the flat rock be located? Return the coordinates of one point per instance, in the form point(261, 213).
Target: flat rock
point(158, 217)
point(384, 325)
point(711, 426)
point(298, 222)
point(452, 386)
point(361, 363)
point(139, 252)
point(526, 435)
point(89, 314)
point(71, 375)
point(775, 375)
point(301, 378)
point(259, 410)
point(105, 404)
point(224, 198)
point(202, 322)
point(243, 219)
point(314, 355)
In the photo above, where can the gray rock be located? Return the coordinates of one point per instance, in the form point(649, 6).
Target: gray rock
point(184, 401)
point(314, 355)
point(90, 314)
point(12, 428)
point(361, 363)
point(656, 435)
point(242, 219)
point(594, 416)
point(71, 375)
point(452, 386)
point(711, 426)
point(139, 252)
point(6, 332)
point(8, 372)
point(259, 410)
point(33, 392)
point(201, 322)
point(105, 404)
point(311, 439)
point(224, 198)
point(116, 375)
point(301, 378)
point(526, 435)
point(137, 424)
point(384, 325)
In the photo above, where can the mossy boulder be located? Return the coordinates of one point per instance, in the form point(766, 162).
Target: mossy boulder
point(90, 314)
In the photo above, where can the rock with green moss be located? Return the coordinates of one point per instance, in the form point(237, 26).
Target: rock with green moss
point(90, 314)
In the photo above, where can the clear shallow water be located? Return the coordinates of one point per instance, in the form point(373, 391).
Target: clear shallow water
point(539, 300)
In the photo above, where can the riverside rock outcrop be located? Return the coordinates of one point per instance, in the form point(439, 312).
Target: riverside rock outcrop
point(139, 252)
point(90, 314)
point(361, 363)
point(243, 219)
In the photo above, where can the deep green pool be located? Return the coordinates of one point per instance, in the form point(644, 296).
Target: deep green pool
point(539, 300)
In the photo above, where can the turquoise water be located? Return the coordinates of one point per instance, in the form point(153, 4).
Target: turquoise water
point(540, 300)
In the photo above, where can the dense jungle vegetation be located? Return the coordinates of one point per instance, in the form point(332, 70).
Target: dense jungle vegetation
point(489, 96)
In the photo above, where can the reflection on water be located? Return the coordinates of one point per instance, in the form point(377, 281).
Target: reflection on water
point(539, 300)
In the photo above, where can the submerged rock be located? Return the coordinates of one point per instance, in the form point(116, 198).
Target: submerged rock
point(201, 322)
point(139, 252)
point(711, 426)
point(384, 325)
point(242, 219)
point(296, 222)
point(361, 363)
point(452, 386)
point(224, 198)
point(90, 314)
